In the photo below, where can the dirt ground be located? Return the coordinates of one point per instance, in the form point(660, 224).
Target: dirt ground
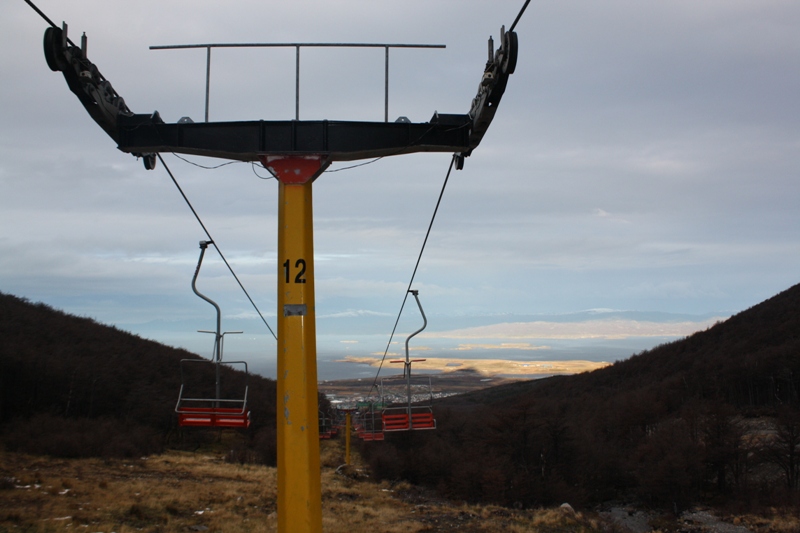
point(202, 491)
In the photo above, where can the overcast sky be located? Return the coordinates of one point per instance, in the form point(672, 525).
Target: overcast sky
point(645, 157)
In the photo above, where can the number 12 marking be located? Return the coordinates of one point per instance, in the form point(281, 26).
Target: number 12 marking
point(300, 277)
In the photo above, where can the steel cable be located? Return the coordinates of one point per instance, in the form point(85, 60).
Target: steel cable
point(215, 245)
point(414, 273)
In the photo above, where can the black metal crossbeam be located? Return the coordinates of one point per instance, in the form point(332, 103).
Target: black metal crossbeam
point(338, 140)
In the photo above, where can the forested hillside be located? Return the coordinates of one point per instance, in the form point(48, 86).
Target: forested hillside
point(70, 386)
point(713, 414)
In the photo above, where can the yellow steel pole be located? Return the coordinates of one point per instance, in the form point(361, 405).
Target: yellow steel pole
point(299, 491)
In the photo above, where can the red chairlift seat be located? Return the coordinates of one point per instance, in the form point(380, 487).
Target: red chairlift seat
point(221, 417)
point(206, 412)
point(371, 435)
point(398, 419)
point(406, 410)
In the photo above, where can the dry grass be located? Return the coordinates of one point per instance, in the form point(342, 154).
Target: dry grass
point(180, 491)
point(172, 492)
point(774, 522)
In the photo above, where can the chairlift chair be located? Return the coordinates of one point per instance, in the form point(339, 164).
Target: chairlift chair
point(404, 411)
point(211, 411)
point(325, 426)
point(368, 422)
point(339, 420)
point(206, 410)
point(413, 415)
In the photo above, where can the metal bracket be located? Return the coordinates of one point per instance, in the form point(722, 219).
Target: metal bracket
point(84, 79)
point(500, 65)
point(295, 310)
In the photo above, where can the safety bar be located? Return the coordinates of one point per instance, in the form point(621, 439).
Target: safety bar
point(181, 400)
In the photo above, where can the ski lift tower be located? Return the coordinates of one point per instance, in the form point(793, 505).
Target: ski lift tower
point(296, 152)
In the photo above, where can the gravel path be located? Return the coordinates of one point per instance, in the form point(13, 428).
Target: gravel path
point(694, 521)
point(711, 523)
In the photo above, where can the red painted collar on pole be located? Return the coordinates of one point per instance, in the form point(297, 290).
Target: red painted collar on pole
point(293, 170)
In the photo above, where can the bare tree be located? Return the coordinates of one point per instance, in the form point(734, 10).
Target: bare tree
point(783, 450)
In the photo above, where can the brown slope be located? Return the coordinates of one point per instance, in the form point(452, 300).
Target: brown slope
point(61, 373)
point(667, 425)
